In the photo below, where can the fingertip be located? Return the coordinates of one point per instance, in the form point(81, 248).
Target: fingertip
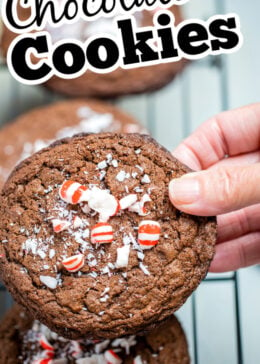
point(185, 195)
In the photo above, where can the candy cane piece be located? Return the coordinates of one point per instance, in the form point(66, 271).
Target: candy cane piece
point(111, 357)
point(75, 349)
point(127, 201)
point(60, 225)
point(74, 263)
point(139, 207)
point(45, 343)
point(73, 192)
point(48, 354)
point(148, 234)
point(102, 233)
point(104, 203)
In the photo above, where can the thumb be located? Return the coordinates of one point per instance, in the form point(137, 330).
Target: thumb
point(216, 191)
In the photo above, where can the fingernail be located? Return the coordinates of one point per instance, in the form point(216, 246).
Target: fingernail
point(184, 190)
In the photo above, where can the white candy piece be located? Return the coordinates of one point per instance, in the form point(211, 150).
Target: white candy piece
point(138, 207)
point(59, 361)
point(48, 281)
point(138, 360)
point(127, 201)
point(122, 256)
point(94, 359)
point(146, 179)
point(77, 222)
point(103, 202)
point(99, 347)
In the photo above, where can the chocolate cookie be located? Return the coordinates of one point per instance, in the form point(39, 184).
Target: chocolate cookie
point(40, 127)
point(90, 242)
point(116, 83)
point(23, 340)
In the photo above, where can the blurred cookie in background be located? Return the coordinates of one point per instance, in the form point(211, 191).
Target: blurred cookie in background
point(23, 340)
point(113, 84)
point(36, 129)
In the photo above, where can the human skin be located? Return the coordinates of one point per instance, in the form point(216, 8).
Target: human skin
point(225, 153)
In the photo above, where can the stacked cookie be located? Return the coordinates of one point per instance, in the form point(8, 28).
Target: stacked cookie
point(38, 128)
point(26, 341)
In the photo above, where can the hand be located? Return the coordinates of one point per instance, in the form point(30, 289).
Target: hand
point(226, 153)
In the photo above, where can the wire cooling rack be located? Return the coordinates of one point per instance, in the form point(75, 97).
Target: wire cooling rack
point(222, 318)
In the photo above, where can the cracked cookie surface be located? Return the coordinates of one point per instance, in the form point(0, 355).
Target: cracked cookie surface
point(102, 299)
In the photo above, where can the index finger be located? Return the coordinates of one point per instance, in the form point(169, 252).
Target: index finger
point(230, 133)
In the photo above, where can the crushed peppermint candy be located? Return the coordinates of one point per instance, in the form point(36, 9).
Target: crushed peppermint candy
point(49, 282)
point(114, 163)
point(148, 234)
point(122, 256)
point(75, 263)
point(102, 165)
point(103, 202)
point(139, 207)
point(144, 269)
point(127, 201)
point(145, 179)
point(138, 360)
point(122, 175)
point(60, 225)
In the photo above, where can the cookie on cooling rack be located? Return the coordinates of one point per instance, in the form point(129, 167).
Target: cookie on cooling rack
point(113, 84)
point(24, 340)
point(38, 128)
point(90, 242)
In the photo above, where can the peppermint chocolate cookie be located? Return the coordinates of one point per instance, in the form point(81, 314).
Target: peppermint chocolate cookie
point(116, 83)
point(40, 127)
point(90, 242)
point(25, 341)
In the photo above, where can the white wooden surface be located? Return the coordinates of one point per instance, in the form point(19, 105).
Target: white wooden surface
point(209, 317)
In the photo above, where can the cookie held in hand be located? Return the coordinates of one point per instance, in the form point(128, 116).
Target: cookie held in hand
point(119, 264)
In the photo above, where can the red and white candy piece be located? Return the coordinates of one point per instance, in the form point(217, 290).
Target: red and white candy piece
point(148, 233)
point(127, 201)
point(45, 343)
point(48, 354)
point(73, 192)
point(102, 233)
point(139, 207)
point(104, 203)
point(75, 349)
point(60, 225)
point(74, 263)
point(111, 357)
